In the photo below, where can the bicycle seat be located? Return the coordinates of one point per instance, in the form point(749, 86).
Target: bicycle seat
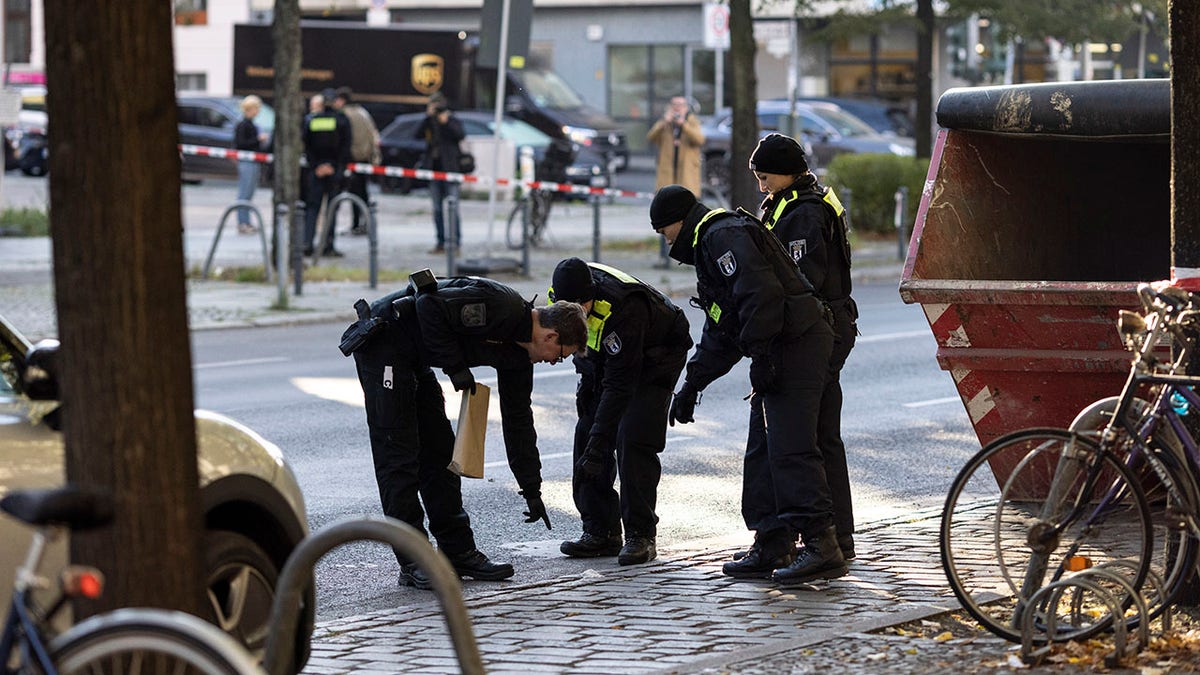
point(73, 507)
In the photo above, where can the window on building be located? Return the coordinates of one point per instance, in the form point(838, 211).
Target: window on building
point(643, 78)
point(18, 32)
point(191, 82)
point(191, 12)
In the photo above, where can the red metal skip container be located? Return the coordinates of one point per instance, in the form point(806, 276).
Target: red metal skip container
point(1043, 208)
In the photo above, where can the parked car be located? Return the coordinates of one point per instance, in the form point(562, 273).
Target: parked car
point(399, 146)
point(825, 131)
point(885, 117)
point(209, 121)
point(28, 144)
point(252, 506)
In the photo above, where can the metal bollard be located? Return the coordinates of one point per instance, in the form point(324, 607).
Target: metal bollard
point(596, 228)
point(373, 240)
point(901, 218)
point(450, 219)
point(279, 238)
point(297, 252)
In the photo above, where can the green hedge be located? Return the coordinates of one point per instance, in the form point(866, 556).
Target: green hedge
point(872, 180)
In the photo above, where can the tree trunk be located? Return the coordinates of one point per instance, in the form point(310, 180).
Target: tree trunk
point(1184, 20)
point(743, 190)
point(289, 113)
point(126, 375)
point(926, 28)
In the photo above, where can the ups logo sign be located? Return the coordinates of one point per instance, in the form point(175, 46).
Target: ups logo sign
point(427, 72)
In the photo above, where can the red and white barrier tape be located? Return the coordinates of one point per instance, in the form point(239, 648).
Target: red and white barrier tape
point(426, 174)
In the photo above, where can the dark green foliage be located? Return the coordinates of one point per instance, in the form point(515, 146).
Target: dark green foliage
point(872, 180)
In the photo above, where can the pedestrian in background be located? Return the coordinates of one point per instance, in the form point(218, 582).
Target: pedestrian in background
point(637, 343)
point(758, 304)
point(679, 140)
point(247, 137)
point(458, 323)
point(364, 149)
point(441, 131)
point(326, 136)
point(809, 220)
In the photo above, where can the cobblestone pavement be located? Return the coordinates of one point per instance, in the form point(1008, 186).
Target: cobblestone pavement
point(676, 614)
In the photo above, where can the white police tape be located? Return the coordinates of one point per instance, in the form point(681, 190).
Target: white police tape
point(424, 174)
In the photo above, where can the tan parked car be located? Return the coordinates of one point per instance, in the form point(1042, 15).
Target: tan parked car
point(253, 509)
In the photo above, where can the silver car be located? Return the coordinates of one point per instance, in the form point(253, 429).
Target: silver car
point(253, 509)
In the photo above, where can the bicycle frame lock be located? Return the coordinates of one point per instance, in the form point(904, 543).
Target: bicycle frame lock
point(1020, 269)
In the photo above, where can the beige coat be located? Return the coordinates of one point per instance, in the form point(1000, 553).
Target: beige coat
point(686, 168)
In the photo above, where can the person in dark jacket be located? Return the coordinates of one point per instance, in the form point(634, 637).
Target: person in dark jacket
point(758, 304)
point(463, 322)
point(247, 138)
point(441, 131)
point(326, 135)
point(810, 221)
point(638, 341)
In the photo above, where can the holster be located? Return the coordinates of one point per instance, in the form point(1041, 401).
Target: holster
point(359, 332)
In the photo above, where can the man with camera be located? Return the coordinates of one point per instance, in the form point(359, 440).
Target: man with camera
point(452, 324)
point(679, 140)
point(441, 131)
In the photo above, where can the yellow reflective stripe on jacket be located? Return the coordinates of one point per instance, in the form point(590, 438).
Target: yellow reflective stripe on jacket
point(624, 277)
point(779, 208)
point(710, 214)
point(322, 124)
point(832, 200)
point(601, 310)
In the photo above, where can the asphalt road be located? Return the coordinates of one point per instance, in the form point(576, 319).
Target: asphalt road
point(905, 429)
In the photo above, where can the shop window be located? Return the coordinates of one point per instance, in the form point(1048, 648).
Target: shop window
point(191, 12)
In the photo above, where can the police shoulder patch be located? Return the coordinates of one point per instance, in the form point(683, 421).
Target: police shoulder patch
point(727, 263)
point(612, 344)
point(474, 315)
point(798, 248)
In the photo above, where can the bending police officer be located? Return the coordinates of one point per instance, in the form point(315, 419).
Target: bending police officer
point(757, 304)
point(459, 323)
point(811, 223)
point(637, 344)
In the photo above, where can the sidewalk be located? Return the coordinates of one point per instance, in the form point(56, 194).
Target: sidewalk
point(677, 614)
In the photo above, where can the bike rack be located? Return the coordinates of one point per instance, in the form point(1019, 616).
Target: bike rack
point(262, 236)
point(1090, 581)
point(297, 574)
point(363, 209)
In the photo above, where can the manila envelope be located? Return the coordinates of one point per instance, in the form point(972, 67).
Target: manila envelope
point(472, 428)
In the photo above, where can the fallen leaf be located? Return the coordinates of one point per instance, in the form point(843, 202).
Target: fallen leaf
point(942, 637)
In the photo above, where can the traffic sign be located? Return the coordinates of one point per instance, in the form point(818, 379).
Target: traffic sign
point(716, 26)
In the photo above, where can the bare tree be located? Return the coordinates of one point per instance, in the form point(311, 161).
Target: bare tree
point(289, 112)
point(126, 376)
point(1185, 143)
point(743, 190)
point(926, 27)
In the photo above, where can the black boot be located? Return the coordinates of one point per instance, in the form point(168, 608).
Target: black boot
point(592, 546)
point(757, 563)
point(637, 550)
point(846, 543)
point(476, 565)
point(411, 575)
point(819, 559)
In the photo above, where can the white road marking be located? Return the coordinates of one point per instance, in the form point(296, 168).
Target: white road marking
point(243, 362)
point(893, 336)
point(932, 401)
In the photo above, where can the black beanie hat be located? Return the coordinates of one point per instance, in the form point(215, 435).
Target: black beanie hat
point(572, 282)
point(778, 154)
point(670, 205)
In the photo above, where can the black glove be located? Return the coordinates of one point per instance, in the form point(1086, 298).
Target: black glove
point(537, 510)
point(594, 460)
point(762, 375)
point(683, 405)
point(463, 379)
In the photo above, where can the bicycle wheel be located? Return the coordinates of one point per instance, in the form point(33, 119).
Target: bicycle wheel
point(1034, 507)
point(1175, 548)
point(149, 641)
point(514, 234)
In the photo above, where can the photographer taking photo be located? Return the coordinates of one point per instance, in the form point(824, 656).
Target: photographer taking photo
point(441, 131)
point(679, 140)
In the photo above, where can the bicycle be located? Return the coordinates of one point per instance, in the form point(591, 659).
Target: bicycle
point(1117, 490)
point(140, 640)
point(528, 219)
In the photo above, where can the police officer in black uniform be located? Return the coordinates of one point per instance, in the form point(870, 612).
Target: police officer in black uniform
point(758, 304)
point(327, 150)
point(638, 341)
point(454, 324)
point(811, 222)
